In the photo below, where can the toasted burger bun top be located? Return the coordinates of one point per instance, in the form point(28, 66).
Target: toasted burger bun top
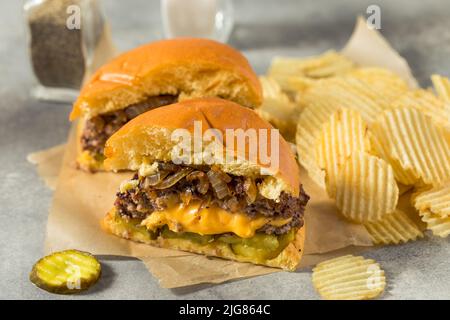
point(147, 138)
point(187, 67)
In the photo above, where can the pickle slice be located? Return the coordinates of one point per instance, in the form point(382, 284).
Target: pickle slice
point(263, 246)
point(259, 241)
point(257, 254)
point(198, 238)
point(66, 272)
point(133, 227)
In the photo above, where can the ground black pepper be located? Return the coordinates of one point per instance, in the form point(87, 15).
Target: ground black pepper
point(59, 55)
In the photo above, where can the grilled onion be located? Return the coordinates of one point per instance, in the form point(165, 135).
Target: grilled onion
point(250, 190)
point(168, 166)
point(174, 178)
point(203, 182)
point(186, 197)
point(219, 185)
point(232, 204)
point(154, 179)
point(222, 175)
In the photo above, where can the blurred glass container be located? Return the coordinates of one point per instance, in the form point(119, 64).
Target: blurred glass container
point(211, 19)
point(62, 36)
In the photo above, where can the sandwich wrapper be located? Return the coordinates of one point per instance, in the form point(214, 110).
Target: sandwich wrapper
point(82, 199)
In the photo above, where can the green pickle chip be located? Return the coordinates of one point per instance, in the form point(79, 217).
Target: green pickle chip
point(138, 231)
point(66, 272)
point(260, 247)
point(263, 246)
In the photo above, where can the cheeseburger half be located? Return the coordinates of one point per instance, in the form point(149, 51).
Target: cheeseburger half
point(241, 208)
point(152, 76)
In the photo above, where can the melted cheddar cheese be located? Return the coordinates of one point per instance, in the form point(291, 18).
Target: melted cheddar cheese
point(207, 221)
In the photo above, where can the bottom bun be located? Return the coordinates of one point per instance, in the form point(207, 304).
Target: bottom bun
point(288, 259)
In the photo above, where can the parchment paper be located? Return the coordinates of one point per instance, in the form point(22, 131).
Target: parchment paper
point(82, 199)
point(48, 163)
point(367, 47)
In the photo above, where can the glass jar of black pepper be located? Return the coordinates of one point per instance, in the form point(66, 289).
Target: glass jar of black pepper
point(62, 37)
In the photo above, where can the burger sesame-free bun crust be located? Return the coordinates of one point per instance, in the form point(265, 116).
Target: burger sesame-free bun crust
point(147, 138)
point(288, 259)
point(187, 67)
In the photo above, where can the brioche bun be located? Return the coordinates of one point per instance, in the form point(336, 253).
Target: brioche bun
point(187, 67)
point(147, 138)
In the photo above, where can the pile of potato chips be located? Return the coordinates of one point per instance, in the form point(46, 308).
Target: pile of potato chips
point(368, 139)
point(378, 147)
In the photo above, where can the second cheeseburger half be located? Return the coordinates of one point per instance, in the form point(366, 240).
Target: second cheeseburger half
point(154, 75)
point(243, 208)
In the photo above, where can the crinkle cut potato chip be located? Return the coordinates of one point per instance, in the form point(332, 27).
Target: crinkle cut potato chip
point(309, 127)
point(381, 149)
point(325, 65)
point(344, 133)
point(349, 278)
point(378, 148)
point(439, 226)
point(386, 82)
point(418, 149)
point(366, 189)
point(442, 87)
point(436, 200)
point(426, 102)
point(420, 99)
point(272, 90)
point(347, 92)
point(394, 228)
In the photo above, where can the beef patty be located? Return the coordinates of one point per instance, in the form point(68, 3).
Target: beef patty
point(176, 184)
point(99, 128)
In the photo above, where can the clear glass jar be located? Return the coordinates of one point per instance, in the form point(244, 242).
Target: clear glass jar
point(211, 19)
point(62, 37)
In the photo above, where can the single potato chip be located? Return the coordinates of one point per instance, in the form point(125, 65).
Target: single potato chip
point(349, 278)
point(389, 84)
point(272, 90)
point(366, 190)
point(380, 148)
point(426, 102)
point(439, 226)
point(436, 200)
point(66, 272)
point(442, 87)
point(344, 133)
point(329, 64)
point(418, 150)
point(394, 228)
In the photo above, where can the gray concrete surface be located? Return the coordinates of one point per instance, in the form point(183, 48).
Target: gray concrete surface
point(419, 30)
